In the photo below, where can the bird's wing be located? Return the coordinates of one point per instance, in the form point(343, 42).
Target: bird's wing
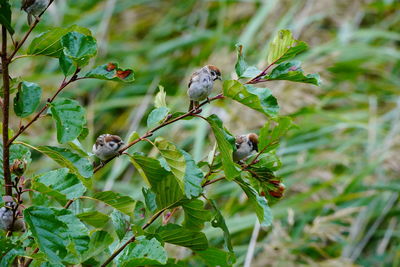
point(195, 77)
point(26, 4)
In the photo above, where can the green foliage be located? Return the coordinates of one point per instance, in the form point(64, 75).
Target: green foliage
point(216, 257)
point(243, 70)
point(195, 215)
point(258, 202)
point(177, 235)
point(226, 144)
point(5, 16)
point(156, 116)
point(27, 99)
point(49, 43)
point(122, 203)
point(59, 184)
point(101, 213)
point(93, 218)
point(291, 71)
point(79, 47)
point(143, 252)
point(69, 117)
point(174, 158)
point(50, 233)
point(284, 47)
point(77, 165)
point(260, 99)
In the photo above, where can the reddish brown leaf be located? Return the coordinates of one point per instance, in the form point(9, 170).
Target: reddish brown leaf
point(111, 66)
point(122, 74)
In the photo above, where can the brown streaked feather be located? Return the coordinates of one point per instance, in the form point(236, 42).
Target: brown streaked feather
point(239, 139)
point(214, 68)
point(114, 138)
point(194, 77)
point(26, 4)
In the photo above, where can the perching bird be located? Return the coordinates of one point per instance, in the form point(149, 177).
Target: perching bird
point(7, 217)
point(34, 8)
point(201, 83)
point(107, 146)
point(245, 146)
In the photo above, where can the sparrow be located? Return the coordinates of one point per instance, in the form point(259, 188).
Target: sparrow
point(245, 145)
point(34, 8)
point(107, 146)
point(7, 217)
point(201, 83)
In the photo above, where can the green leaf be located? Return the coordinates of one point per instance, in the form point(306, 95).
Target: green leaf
point(49, 43)
point(243, 70)
point(118, 201)
point(260, 99)
point(94, 218)
point(139, 214)
point(177, 235)
point(78, 233)
point(79, 47)
point(143, 252)
point(98, 245)
point(79, 166)
point(27, 99)
point(156, 116)
point(260, 204)
point(291, 71)
point(270, 137)
point(217, 257)
point(218, 221)
point(284, 47)
point(111, 72)
point(120, 223)
point(193, 177)
point(175, 159)
point(66, 64)
point(9, 258)
point(159, 100)
point(5, 15)
point(59, 184)
point(70, 119)
point(150, 199)
point(195, 214)
point(163, 183)
point(226, 144)
point(50, 233)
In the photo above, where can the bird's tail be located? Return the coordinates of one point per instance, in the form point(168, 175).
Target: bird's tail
point(30, 18)
point(191, 105)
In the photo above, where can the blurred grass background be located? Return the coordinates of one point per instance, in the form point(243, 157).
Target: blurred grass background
point(341, 166)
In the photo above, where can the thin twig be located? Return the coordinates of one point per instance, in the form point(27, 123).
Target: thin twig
point(213, 181)
point(20, 43)
point(6, 106)
point(192, 112)
point(132, 239)
point(152, 219)
point(258, 77)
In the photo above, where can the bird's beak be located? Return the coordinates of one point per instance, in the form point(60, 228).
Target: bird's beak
point(219, 78)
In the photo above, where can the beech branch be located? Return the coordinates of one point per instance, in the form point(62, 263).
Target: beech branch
point(6, 107)
point(191, 113)
point(152, 219)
